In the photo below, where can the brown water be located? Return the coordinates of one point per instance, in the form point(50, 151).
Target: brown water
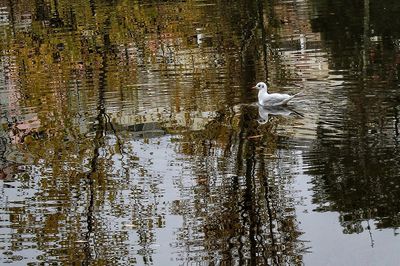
point(130, 134)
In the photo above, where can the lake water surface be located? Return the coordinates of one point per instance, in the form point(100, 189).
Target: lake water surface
point(130, 133)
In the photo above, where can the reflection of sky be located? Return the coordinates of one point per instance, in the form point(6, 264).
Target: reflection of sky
point(329, 246)
point(158, 158)
point(13, 195)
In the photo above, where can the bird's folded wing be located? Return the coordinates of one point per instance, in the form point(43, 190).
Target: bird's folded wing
point(276, 99)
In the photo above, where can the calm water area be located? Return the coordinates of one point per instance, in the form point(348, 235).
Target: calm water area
point(130, 133)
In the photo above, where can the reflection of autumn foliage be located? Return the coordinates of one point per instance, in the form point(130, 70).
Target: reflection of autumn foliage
point(77, 62)
point(58, 59)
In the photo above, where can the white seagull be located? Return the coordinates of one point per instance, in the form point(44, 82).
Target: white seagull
point(271, 99)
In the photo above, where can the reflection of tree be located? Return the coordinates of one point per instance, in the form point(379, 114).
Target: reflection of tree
point(74, 57)
point(78, 162)
point(246, 212)
point(357, 171)
point(97, 142)
point(243, 202)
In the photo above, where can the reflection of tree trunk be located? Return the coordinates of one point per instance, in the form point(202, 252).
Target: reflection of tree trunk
point(396, 125)
point(239, 169)
point(93, 164)
point(264, 38)
point(250, 215)
point(270, 220)
point(55, 20)
point(363, 133)
point(93, 169)
point(92, 7)
point(12, 17)
point(264, 176)
point(370, 234)
point(249, 203)
point(56, 8)
point(98, 141)
point(366, 37)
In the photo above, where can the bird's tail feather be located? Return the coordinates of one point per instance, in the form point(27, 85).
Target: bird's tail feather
point(297, 94)
point(290, 98)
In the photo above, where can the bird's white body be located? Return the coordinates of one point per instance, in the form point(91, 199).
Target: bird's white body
point(271, 99)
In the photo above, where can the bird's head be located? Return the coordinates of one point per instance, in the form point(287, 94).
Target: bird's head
point(260, 86)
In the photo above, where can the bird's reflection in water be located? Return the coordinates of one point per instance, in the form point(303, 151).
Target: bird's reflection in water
point(265, 113)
